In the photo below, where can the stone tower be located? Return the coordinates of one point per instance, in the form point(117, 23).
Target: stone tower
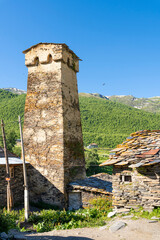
point(52, 126)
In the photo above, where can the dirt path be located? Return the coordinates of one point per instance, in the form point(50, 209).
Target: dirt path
point(134, 230)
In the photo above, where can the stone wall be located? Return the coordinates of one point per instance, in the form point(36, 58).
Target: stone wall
point(17, 183)
point(141, 189)
point(52, 127)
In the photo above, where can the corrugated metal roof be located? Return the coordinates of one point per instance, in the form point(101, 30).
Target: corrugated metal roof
point(12, 161)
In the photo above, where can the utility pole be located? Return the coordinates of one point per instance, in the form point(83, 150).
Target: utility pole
point(26, 194)
point(9, 198)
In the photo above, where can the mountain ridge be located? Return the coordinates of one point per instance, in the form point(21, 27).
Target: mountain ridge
point(151, 104)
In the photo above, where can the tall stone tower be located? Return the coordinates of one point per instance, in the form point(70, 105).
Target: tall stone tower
point(52, 126)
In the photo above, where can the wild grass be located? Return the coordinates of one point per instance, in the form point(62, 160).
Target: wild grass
point(47, 220)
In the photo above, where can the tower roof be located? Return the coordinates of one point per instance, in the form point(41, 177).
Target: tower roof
point(62, 44)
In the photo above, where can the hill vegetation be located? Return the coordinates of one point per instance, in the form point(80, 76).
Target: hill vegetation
point(105, 122)
point(151, 104)
point(108, 123)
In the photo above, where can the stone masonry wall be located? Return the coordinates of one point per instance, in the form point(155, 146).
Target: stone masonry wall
point(16, 186)
point(52, 128)
point(74, 163)
point(143, 190)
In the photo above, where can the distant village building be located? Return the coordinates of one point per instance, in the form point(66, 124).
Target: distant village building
point(136, 171)
point(17, 180)
point(92, 145)
point(52, 125)
point(18, 142)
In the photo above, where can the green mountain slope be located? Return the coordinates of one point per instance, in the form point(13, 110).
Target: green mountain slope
point(6, 95)
point(10, 108)
point(105, 122)
point(147, 104)
point(109, 123)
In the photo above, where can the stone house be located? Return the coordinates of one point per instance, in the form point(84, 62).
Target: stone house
point(92, 145)
point(136, 171)
point(17, 182)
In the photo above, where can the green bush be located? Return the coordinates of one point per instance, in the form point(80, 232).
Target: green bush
point(8, 220)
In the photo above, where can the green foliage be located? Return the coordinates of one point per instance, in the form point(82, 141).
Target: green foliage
point(8, 220)
point(11, 137)
point(103, 121)
point(17, 150)
point(108, 123)
point(146, 104)
point(102, 203)
point(92, 163)
point(10, 108)
point(47, 220)
point(11, 105)
point(6, 95)
point(140, 213)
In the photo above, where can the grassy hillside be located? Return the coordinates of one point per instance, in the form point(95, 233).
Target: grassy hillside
point(104, 122)
point(109, 123)
point(11, 105)
point(151, 104)
point(6, 95)
point(147, 104)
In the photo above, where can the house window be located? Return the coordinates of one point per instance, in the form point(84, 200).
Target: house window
point(12, 172)
point(125, 178)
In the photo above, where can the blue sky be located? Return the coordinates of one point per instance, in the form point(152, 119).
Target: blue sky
point(118, 40)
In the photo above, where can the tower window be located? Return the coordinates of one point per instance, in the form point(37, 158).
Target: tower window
point(36, 61)
point(68, 62)
point(49, 59)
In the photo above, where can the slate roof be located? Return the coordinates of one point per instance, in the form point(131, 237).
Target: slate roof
point(98, 183)
point(141, 148)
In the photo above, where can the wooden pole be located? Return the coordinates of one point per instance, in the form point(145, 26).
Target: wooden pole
point(26, 194)
point(9, 201)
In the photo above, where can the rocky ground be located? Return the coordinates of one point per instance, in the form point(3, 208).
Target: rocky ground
point(117, 229)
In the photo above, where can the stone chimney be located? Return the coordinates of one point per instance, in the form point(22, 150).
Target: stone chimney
point(52, 125)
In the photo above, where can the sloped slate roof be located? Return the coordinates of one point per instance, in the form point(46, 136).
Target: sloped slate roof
point(141, 148)
point(98, 183)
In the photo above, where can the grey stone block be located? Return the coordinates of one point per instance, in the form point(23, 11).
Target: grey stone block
point(3, 235)
point(116, 226)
